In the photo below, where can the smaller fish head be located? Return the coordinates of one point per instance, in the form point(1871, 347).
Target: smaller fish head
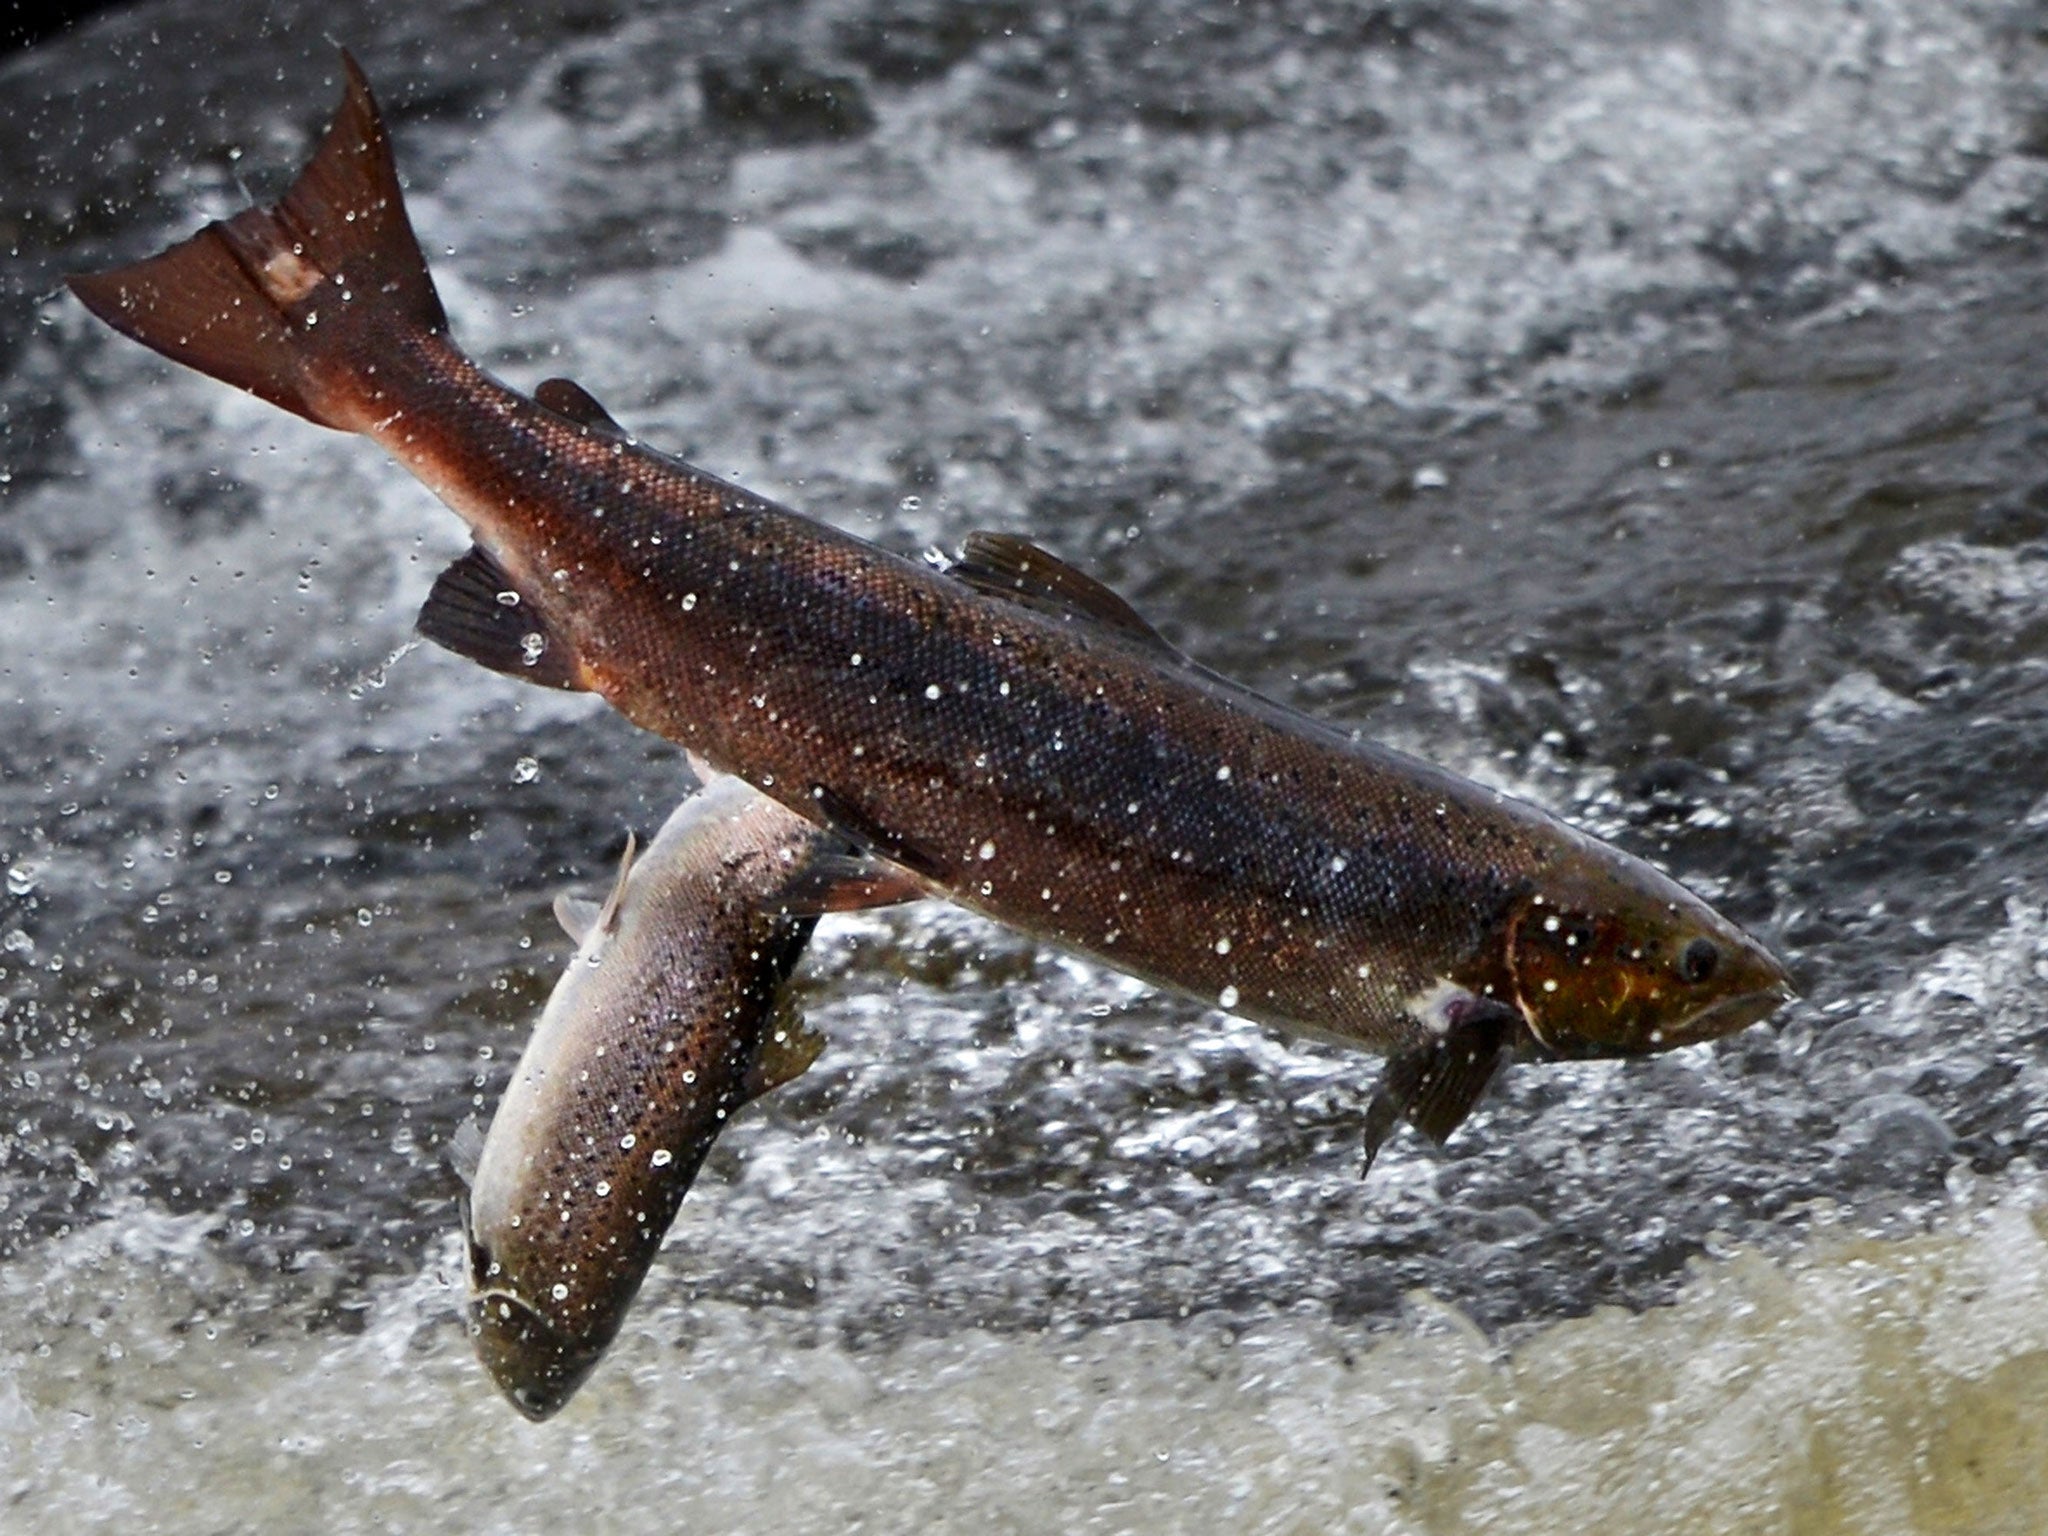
point(1622, 962)
point(533, 1360)
point(535, 1364)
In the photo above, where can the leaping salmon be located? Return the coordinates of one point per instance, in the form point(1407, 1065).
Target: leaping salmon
point(1007, 731)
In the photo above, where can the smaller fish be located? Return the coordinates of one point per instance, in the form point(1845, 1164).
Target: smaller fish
point(668, 1019)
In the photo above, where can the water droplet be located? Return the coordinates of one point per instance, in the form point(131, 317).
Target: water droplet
point(689, 601)
point(525, 771)
point(531, 646)
point(662, 1157)
point(22, 876)
point(1227, 997)
point(931, 690)
point(363, 916)
point(910, 503)
point(508, 599)
point(560, 1291)
point(988, 850)
point(1223, 948)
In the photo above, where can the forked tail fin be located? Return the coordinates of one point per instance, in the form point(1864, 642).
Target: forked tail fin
point(291, 302)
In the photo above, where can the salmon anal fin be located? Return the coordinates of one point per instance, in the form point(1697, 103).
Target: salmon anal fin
point(1003, 565)
point(845, 882)
point(567, 398)
point(860, 829)
point(291, 302)
point(1433, 1086)
point(468, 613)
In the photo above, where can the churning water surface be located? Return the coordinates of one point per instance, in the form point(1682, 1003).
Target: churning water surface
point(1636, 406)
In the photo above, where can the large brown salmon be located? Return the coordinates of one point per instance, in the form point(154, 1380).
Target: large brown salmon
point(1007, 730)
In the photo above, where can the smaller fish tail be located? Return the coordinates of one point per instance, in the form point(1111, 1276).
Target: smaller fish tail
point(292, 302)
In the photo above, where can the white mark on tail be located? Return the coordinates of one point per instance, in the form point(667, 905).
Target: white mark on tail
point(287, 279)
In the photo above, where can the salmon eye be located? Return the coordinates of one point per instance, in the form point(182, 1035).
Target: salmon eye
point(1698, 960)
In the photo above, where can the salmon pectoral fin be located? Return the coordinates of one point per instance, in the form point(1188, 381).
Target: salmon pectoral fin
point(293, 302)
point(571, 401)
point(477, 611)
point(1434, 1086)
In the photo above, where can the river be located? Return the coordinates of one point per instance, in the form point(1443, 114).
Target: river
point(1637, 406)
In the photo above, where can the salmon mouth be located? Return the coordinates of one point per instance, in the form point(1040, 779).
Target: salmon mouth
point(1731, 1014)
point(533, 1362)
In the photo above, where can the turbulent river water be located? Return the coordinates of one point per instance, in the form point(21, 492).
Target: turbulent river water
point(1634, 405)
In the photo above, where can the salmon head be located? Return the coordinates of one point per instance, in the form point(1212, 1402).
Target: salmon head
point(1620, 961)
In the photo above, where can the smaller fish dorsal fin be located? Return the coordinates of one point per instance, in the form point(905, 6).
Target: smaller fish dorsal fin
point(788, 1048)
point(565, 397)
point(1004, 565)
point(580, 917)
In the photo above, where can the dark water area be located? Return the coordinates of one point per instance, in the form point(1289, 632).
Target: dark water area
point(1638, 408)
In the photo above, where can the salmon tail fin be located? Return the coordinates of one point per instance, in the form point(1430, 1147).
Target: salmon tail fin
point(290, 302)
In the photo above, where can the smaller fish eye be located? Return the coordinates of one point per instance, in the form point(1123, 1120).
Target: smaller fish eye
point(1698, 960)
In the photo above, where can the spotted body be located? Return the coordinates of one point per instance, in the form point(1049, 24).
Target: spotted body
point(667, 1019)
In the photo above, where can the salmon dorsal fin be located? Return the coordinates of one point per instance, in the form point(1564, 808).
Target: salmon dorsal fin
point(1004, 565)
point(580, 917)
point(477, 611)
point(567, 398)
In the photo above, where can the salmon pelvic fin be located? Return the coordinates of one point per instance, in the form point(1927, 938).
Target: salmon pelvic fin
point(288, 302)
